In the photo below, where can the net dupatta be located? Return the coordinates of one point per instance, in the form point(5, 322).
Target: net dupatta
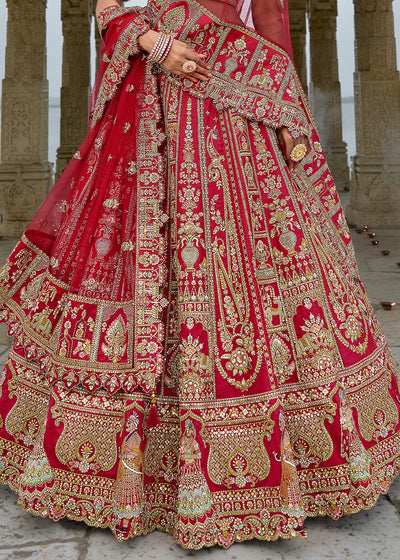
point(270, 18)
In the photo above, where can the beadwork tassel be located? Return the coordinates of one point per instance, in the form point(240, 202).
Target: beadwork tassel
point(153, 419)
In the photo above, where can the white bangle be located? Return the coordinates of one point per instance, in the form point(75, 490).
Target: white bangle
point(160, 47)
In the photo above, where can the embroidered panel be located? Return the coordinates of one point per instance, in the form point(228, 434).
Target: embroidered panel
point(183, 258)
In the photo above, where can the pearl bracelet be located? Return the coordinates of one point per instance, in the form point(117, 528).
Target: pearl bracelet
point(167, 49)
point(161, 48)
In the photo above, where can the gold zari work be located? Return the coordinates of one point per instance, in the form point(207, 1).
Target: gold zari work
point(214, 278)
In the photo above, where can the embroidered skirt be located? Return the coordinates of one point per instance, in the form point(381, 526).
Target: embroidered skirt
point(177, 255)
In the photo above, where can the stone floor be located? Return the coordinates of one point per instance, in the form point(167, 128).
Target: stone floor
point(369, 535)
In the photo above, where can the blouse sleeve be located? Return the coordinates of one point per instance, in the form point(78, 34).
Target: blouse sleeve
point(138, 18)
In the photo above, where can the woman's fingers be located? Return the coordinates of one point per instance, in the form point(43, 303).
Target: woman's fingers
point(203, 69)
point(181, 53)
point(287, 143)
point(202, 74)
point(190, 54)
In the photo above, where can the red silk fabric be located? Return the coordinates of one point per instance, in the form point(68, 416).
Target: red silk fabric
point(177, 254)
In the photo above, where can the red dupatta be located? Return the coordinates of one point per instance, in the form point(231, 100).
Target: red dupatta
point(270, 18)
point(82, 288)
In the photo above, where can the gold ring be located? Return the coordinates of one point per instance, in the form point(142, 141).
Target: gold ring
point(298, 153)
point(189, 66)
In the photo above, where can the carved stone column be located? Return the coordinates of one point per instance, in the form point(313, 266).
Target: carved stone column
point(25, 173)
point(75, 92)
point(325, 94)
point(298, 29)
point(97, 35)
point(375, 192)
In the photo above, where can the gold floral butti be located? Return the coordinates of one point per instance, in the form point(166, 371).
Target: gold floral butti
point(177, 254)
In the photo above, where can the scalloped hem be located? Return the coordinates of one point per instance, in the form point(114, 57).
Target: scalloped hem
point(220, 538)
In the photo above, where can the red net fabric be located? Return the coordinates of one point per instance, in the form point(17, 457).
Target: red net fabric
point(270, 18)
point(85, 258)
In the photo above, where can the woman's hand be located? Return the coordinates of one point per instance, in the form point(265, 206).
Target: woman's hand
point(287, 143)
point(178, 55)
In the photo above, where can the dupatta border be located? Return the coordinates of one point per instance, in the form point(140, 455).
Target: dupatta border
point(119, 65)
point(247, 88)
point(112, 12)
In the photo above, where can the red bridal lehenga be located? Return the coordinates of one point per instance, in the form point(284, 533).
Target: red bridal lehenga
point(178, 256)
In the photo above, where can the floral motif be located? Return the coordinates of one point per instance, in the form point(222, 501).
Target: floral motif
point(200, 269)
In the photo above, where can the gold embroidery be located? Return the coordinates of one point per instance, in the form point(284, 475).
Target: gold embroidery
point(88, 439)
point(238, 456)
point(119, 64)
point(374, 405)
point(27, 416)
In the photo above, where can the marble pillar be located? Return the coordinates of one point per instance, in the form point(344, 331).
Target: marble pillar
point(76, 18)
point(298, 30)
point(375, 190)
point(325, 94)
point(25, 173)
